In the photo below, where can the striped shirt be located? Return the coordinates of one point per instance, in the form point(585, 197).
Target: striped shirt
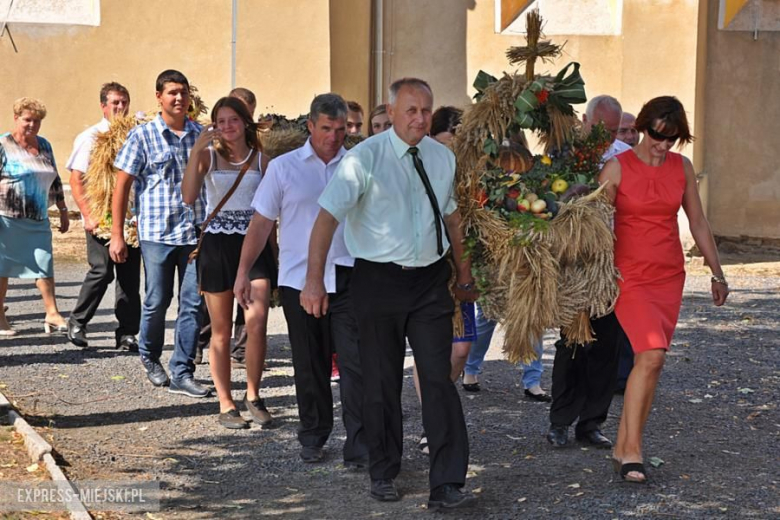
point(156, 156)
point(29, 183)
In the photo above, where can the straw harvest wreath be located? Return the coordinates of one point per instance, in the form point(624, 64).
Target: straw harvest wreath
point(537, 227)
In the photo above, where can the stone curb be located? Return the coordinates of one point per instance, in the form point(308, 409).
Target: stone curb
point(40, 451)
point(5, 406)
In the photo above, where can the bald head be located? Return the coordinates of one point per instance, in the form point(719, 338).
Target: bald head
point(627, 131)
point(603, 109)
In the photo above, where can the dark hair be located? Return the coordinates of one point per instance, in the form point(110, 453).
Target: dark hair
point(407, 82)
point(378, 111)
point(112, 87)
point(445, 119)
point(239, 107)
point(170, 76)
point(244, 94)
point(671, 113)
point(354, 106)
point(331, 105)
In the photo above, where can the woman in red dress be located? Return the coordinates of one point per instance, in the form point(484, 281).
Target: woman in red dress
point(648, 185)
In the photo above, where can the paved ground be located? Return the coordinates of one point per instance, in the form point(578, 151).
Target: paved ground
point(715, 425)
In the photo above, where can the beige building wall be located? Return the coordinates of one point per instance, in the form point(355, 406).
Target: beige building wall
point(283, 54)
point(654, 55)
point(350, 51)
point(741, 112)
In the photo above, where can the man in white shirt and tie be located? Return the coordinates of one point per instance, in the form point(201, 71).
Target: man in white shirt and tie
point(394, 195)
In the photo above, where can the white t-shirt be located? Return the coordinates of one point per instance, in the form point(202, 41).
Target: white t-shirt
point(82, 146)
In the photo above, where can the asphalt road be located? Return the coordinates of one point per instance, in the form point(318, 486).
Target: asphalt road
point(714, 424)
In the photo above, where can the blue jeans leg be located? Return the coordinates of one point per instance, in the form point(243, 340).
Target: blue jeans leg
point(479, 348)
point(182, 364)
point(532, 372)
point(159, 271)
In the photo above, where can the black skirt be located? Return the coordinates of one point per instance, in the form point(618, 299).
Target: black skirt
point(218, 263)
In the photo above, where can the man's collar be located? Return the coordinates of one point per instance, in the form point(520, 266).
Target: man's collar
point(162, 126)
point(400, 147)
point(307, 150)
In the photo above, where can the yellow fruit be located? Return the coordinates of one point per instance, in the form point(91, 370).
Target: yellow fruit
point(559, 186)
point(531, 197)
point(546, 160)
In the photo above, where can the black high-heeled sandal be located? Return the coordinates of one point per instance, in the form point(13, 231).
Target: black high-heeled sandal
point(471, 387)
point(633, 467)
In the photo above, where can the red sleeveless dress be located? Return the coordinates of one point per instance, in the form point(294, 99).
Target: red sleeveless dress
point(648, 251)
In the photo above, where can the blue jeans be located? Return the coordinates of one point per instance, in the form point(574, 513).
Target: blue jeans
point(532, 372)
point(161, 263)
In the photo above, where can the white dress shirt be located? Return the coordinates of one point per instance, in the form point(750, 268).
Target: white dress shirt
point(289, 191)
point(378, 194)
point(616, 148)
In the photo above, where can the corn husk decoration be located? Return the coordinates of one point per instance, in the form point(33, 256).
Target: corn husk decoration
point(535, 270)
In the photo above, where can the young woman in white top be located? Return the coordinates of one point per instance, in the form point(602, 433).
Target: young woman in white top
point(217, 157)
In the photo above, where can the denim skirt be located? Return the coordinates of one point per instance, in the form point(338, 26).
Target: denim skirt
point(25, 248)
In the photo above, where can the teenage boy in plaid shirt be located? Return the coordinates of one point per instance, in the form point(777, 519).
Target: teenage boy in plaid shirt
point(154, 158)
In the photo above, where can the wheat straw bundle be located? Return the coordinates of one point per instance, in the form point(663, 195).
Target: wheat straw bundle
point(533, 274)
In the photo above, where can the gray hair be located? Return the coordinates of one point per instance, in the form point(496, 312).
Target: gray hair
point(331, 105)
point(407, 82)
point(602, 102)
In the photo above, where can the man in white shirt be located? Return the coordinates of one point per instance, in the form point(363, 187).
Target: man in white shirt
point(289, 191)
point(584, 378)
point(394, 194)
point(114, 101)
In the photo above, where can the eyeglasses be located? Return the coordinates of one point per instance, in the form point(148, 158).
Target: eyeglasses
point(658, 136)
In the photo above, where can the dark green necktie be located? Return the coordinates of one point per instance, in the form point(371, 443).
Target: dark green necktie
point(418, 165)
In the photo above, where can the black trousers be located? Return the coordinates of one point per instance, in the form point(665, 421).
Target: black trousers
point(584, 376)
point(127, 306)
point(392, 304)
point(625, 364)
point(313, 342)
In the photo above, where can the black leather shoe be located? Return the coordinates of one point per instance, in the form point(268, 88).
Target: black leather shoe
point(558, 436)
point(544, 397)
point(312, 454)
point(77, 334)
point(128, 343)
point(189, 387)
point(449, 496)
point(155, 372)
point(384, 490)
point(594, 438)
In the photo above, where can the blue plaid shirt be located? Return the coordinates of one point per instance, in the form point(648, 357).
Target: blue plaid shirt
point(156, 157)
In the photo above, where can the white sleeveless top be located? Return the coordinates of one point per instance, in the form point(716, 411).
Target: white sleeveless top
point(235, 215)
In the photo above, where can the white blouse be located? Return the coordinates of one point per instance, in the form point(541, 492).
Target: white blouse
point(235, 215)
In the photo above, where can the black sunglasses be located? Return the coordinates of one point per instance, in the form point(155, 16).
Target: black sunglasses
point(658, 136)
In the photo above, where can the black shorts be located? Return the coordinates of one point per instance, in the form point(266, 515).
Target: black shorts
point(218, 263)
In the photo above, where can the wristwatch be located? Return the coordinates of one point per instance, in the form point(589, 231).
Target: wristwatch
point(719, 279)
